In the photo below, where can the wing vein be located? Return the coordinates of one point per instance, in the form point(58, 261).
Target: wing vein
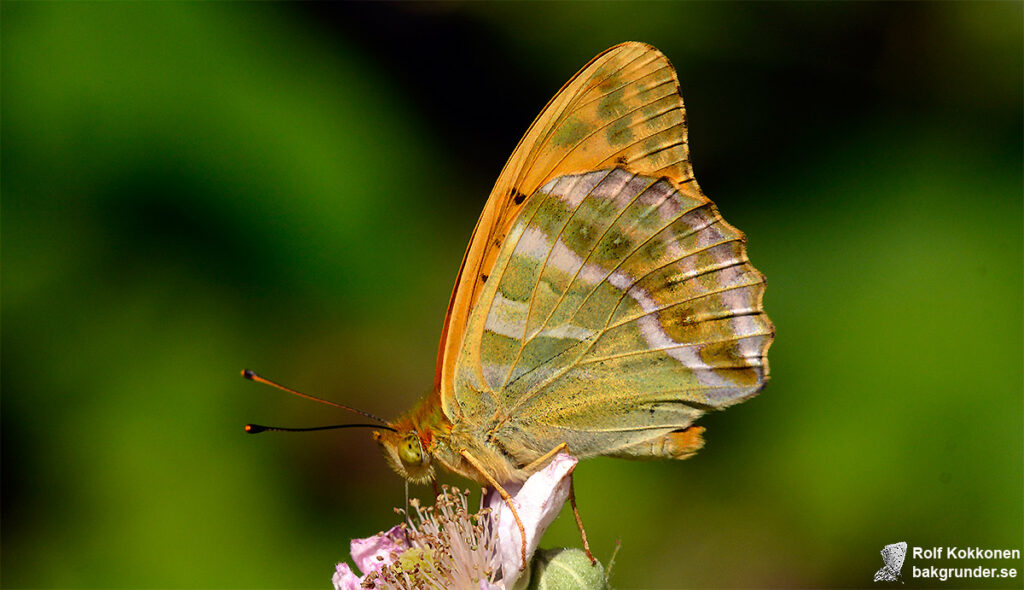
point(674, 347)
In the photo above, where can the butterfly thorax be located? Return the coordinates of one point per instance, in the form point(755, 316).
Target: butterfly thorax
point(426, 435)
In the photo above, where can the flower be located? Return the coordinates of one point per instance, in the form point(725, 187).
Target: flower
point(444, 546)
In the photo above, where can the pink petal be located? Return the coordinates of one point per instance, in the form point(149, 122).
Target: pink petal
point(538, 501)
point(344, 579)
point(373, 553)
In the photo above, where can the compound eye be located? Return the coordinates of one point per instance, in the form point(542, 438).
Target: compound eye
point(409, 450)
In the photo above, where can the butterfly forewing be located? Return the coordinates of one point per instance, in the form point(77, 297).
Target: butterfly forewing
point(622, 109)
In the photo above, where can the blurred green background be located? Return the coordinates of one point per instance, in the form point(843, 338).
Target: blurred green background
point(190, 189)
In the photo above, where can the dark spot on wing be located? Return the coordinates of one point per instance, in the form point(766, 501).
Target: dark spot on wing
point(516, 196)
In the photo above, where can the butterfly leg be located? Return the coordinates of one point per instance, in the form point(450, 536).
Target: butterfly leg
point(508, 501)
point(564, 447)
point(536, 463)
point(579, 521)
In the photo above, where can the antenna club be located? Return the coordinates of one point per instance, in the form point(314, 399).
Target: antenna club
point(248, 374)
point(254, 428)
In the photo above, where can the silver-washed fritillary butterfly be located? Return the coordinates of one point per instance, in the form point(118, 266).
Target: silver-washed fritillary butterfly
point(603, 304)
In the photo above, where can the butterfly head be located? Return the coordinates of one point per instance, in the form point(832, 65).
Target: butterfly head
point(406, 453)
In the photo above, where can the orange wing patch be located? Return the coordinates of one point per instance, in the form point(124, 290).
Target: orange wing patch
point(623, 109)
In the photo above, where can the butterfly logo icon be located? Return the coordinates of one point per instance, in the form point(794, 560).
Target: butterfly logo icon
point(893, 556)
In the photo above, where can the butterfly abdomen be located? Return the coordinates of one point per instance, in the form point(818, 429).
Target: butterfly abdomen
point(680, 444)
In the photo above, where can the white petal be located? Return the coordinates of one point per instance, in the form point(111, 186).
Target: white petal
point(538, 502)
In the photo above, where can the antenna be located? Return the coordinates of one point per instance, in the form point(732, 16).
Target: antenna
point(251, 376)
point(257, 428)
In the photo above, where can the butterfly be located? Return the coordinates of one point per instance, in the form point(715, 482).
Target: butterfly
point(603, 304)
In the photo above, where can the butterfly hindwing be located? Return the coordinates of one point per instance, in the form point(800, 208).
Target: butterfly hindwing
point(619, 309)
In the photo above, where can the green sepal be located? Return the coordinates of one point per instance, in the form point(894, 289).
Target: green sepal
point(566, 569)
